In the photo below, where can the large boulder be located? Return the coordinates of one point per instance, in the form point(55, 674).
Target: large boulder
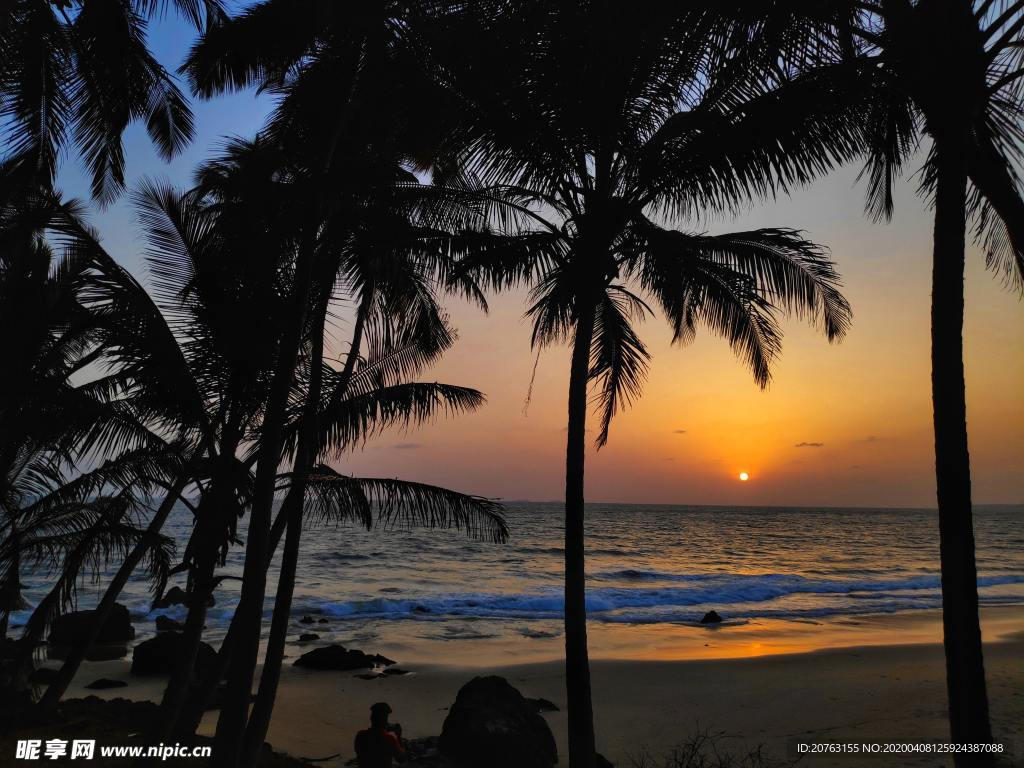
point(337, 657)
point(158, 655)
point(491, 724)
point(70, 627)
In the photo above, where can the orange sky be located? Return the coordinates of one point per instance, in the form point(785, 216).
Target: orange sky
point(702, 420)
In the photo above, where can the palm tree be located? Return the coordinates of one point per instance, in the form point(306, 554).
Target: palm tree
point(207, 300)
point(601, 124)
point(389, 268)
point(78, 73)
point(951, 72)
point(353, 57)
point(58, 519)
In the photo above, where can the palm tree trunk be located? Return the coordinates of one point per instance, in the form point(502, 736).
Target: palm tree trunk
point(305, 457)
point(60, 684)
point(577, 662)
point(965, 670)
point(184, 669)
point(234, 713)
point(187, 721)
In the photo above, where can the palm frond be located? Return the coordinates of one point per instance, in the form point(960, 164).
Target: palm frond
point(393, 503)
point(618, 359)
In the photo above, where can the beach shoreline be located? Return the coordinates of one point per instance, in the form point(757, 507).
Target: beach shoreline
point(887, 692)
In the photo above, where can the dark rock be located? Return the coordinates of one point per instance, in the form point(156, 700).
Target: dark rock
point(67, 629)
point(395, 671)
point(711, 617)
point(167, 624)
point(306, 620)
point(323, 621)
point(369, 676)
point(543, 705)
point(158, 655)
point(173, 596)
point(104, 683)
point(307, 636)
point(421, 609)
point(43, 675)
point(337, 657)
point(491, 720)
point(178, 596)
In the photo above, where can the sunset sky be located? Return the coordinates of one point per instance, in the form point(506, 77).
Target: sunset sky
point(841, 425)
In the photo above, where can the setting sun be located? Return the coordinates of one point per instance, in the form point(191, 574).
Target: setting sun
point(744, 477)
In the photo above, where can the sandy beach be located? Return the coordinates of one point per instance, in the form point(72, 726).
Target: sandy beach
point(865, 692)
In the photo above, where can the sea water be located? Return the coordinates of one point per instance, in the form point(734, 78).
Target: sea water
point(648, 567)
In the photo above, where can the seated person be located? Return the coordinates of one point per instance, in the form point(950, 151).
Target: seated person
point(381, 743)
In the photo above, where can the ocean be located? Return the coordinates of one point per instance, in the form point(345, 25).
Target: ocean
point(649, 567)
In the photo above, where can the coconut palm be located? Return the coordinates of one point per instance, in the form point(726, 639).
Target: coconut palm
point(194, 238)
point(352, 56)
point(77, 74)
point(950, 73)
point(602, 125)
point(78, 464)
point(379, 259)
point(48, 422)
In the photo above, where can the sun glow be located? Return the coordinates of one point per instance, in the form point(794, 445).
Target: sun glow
point(744, 477)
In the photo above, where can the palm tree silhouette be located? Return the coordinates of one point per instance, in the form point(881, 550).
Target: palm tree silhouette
point(62, 518)
point(597, 123)
point(950, 71)
point(387, 258)
point(78, 73)
point(356, 56)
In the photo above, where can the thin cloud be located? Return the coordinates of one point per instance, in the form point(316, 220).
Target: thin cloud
point(872, 439)
point(678, 431)
point(809, 445)
point(407, 446)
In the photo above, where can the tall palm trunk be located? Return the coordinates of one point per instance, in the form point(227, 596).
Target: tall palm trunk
point(305, 457)
point(184, 670)
point(965, 670)
point(60, 684)
point(187, 722)
point(234, 713)
point(577, 661)
point(213, 508)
